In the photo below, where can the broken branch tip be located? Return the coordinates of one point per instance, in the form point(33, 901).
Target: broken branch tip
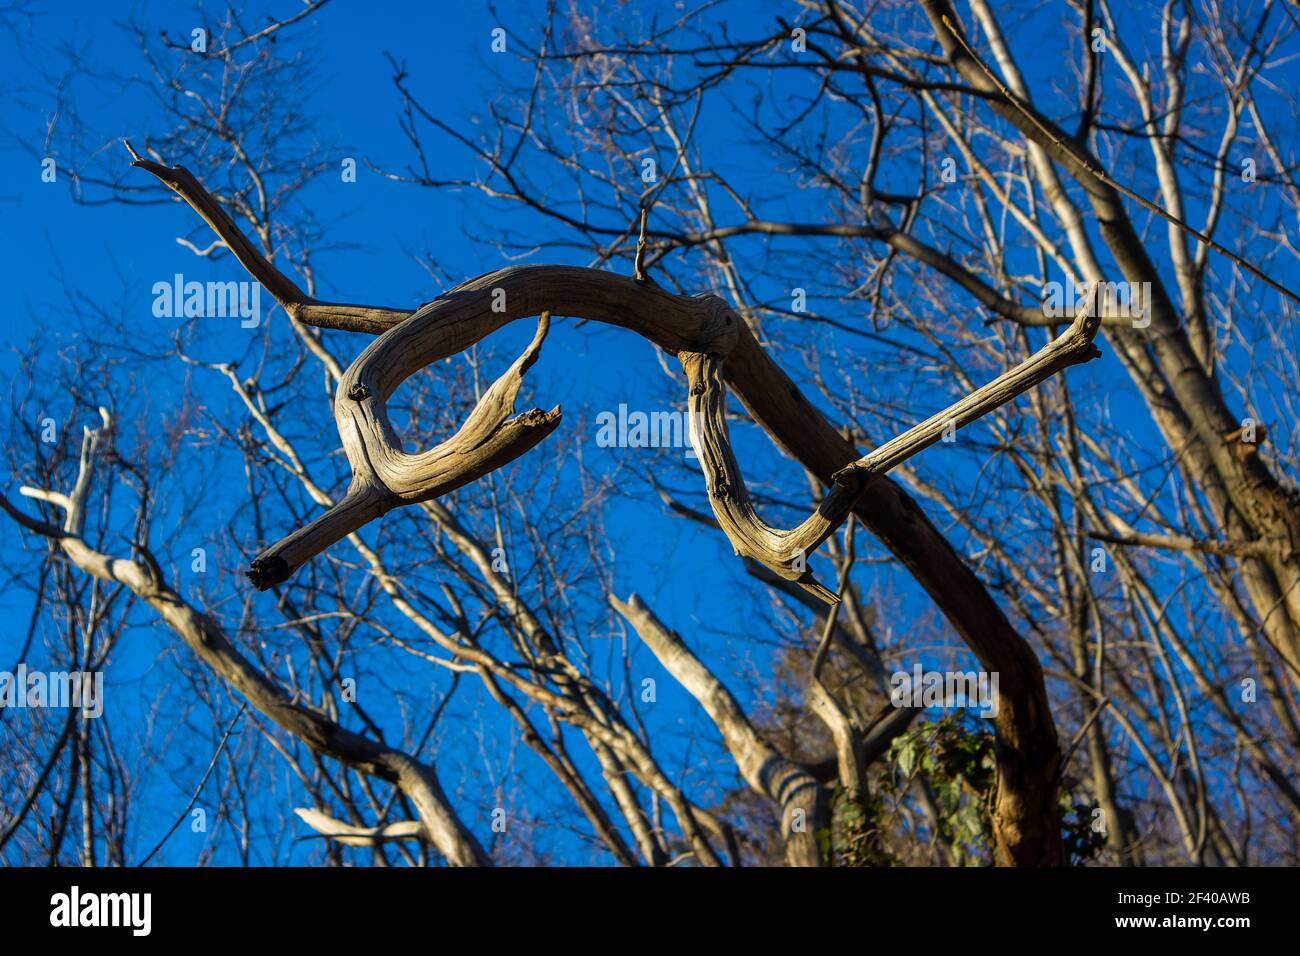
point(265, 573)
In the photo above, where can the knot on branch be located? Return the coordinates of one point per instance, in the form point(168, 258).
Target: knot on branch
point(721, 326)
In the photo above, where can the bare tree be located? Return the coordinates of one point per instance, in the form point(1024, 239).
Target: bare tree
point(1123, 576)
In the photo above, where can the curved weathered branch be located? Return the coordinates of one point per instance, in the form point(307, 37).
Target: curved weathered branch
point(786, 552)
point(783, 552)
point(385, 477)
point(1029, 752)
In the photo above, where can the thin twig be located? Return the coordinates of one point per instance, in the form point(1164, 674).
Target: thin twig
point(638, 266)
point(199, 789)
point(1078, 738)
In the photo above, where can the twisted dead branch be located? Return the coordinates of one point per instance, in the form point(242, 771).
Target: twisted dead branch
point(702, 330)
point(786, 552)
point(714, 345)
point(385, 477)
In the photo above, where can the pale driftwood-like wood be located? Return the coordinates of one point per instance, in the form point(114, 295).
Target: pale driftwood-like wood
point(385, 477)
point(786, 553)
point(350, 835)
